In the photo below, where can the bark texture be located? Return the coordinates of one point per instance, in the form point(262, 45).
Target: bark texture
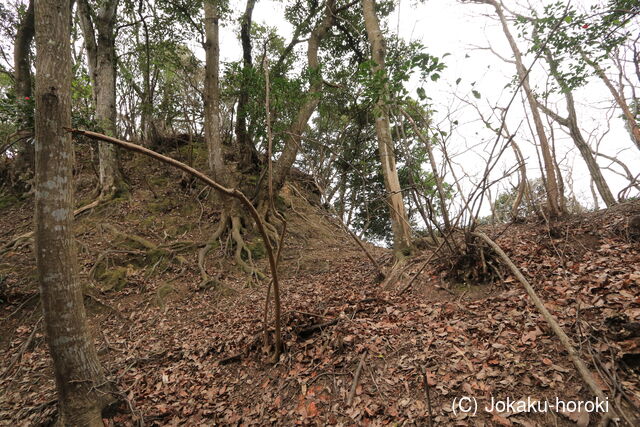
point(212, 93)
point(399, 222)
point(24, 36)
point(248, 154)
point(100, 42)
point(294, 136)
point(22, 86)
point(78, 374)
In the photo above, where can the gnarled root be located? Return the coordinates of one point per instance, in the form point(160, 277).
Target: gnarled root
point(265, 212)
point(236, 234)
point(231, 223)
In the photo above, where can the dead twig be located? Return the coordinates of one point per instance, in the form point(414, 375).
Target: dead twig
point(304, 333)
point(356, 379)
point(425, 381)
point(424, 265)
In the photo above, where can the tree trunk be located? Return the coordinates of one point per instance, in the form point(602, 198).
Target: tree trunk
point(212, 93)
point(571, 122)
point(99, 34)
point(632, 124)
point(442, 199)
point(22, 73)
point(551, 181)
point(399, 221)
point(78, 374)
point(294, 136)
point(22, 85)
point(248, 154)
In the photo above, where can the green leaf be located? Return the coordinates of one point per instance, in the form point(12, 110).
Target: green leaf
point(568, 19)
point(458, 80)
point(476, 94)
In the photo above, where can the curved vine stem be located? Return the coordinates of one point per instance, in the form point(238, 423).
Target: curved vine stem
point(231, 192)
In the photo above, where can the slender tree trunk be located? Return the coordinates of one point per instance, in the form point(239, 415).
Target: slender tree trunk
point(596, 203)
point(442, 199)
point(248, 154)
point(22, 85)
point(551, 181)
point(99, 34)
point(632, 124)
point(294, 136)
point(147, 132)
point(212, 93)
point(78, 374)
point(523, 184)
point(571, 122)
point(22, 73)
point(399, 221)
point(146, 115)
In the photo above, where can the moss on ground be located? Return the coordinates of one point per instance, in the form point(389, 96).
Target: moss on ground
point(8, 200)
point(257, 248)
point(161, 294)
point(162, 205)
point(113, 279)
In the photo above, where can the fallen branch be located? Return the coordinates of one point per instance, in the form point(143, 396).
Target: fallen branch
point(356, 379)
point(105, 305)
point(364, 249)
point(231, 359)
point(551, 321)
point(425, 380)
point(23, 348)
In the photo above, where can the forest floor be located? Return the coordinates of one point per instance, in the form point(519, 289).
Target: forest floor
point(181, 355)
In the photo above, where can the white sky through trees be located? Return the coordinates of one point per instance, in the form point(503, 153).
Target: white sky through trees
point(465, 31)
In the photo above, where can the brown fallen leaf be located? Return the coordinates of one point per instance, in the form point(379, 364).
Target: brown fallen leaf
point(312, 410)
point(501, 420)
point(581, 418)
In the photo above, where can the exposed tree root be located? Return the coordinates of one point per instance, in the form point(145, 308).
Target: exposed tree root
point(25, 238)
point(17, 243)
point(266, 210)
point(87, 207)
point(231, 192)
point(236, 234)
point(207, 281)
point(231, 224)
point(138, 240)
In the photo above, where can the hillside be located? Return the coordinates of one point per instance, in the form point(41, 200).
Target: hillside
point(182, 355)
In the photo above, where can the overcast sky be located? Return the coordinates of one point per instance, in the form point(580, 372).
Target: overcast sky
point(462, 30)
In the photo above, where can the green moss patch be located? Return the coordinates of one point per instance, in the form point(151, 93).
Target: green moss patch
point(113, 279)
point(8, 200)
point(257, 249)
